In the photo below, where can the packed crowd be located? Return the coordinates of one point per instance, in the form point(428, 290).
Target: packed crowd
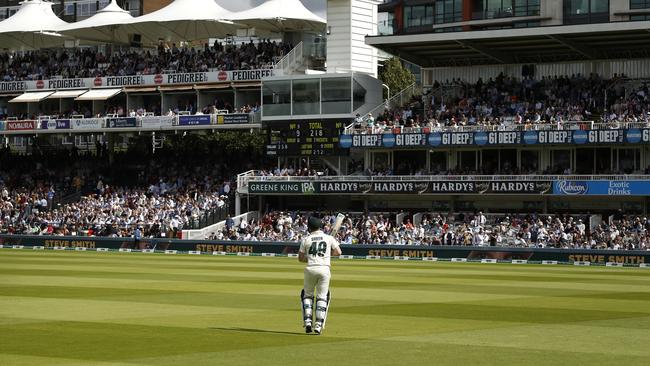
point(88, 62)
point(291, 171)
point(135, 193)
point(160, 211)
point(562, 231)
point(527, 103)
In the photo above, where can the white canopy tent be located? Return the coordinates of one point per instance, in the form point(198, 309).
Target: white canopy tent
point(184, 20)
point(280, 16)
point(33, 26)
point(104, 26)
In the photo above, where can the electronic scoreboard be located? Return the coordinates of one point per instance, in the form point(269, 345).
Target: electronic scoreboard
point(306, 137)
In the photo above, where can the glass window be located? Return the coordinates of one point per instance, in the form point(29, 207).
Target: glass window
point(491, 9)
point(586, 11)
point(448, 11)
point(525, 8)
point(276, 98)
point(639, 4)
point(599, 6)
point(336, 95)
point(306, 97)
point(577, 7)
point(359, 95)
point(417, 16)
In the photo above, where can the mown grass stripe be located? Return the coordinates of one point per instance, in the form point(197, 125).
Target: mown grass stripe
point(82, 308)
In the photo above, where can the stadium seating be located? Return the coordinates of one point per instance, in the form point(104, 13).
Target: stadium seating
point(561, 231)
point(80, 63)
point(508, 103)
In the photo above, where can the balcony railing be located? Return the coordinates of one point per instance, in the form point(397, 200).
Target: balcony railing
point(112, 122)
point(563, 126)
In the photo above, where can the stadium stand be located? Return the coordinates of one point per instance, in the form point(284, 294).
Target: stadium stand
point(68, 192)
point(88, 62)
point(473, 229)
point(509, 103)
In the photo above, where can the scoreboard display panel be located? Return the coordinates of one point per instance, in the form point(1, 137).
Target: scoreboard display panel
point(306, 137)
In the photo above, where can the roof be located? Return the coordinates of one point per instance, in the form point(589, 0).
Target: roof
point(63, 94)
point(98, 94)
point(184, 20)
point(280, 15)
point(33, 16)
point(31, 27)
point(30, 97)
point(101, 26)
point(521, 45)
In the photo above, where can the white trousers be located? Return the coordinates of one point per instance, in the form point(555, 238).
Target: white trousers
point(317, 277)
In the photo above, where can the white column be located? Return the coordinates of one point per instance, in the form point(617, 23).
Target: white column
point(552, 9)
point(348, 23)
point(617, 6)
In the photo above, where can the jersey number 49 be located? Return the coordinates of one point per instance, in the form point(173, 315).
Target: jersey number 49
point(318, 248)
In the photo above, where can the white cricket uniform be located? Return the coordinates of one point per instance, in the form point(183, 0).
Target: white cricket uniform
point(317, 247)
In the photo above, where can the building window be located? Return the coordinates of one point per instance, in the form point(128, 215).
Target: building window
point(526, 8)
point(639, 4)
point(417, 16)
point(438, 12)
point(448, 11)
point(493, 9)
point(7, 12)
point(586, 11)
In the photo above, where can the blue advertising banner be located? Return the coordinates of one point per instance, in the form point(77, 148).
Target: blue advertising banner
point(495, 138)
point(121, 122)
point(55, 124)
point(601, 188)
point(196, 120)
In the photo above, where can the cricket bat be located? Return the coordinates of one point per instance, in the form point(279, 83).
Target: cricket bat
point(337, 224)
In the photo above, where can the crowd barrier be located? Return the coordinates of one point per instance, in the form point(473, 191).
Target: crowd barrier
point(450, 253)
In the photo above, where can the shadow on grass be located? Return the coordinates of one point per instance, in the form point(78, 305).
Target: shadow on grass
point(252, 330)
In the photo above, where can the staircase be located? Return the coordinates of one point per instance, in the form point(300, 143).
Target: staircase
point(291, 63)
point(320, 163)
point(398, 100)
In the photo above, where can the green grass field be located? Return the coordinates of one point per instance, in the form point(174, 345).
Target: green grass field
point(87, 308)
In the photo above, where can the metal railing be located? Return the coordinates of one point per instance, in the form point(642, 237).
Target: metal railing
point(207, 231)
point(395, 101)
point(45, 123)
point(208, 218)
point(290, 61)
point(563, 126)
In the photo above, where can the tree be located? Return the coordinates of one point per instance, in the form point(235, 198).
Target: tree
point(395, 75)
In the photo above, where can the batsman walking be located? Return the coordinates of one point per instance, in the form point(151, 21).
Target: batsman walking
point(316, 250)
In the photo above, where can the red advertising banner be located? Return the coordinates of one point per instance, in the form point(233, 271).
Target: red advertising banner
point(20, 125)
